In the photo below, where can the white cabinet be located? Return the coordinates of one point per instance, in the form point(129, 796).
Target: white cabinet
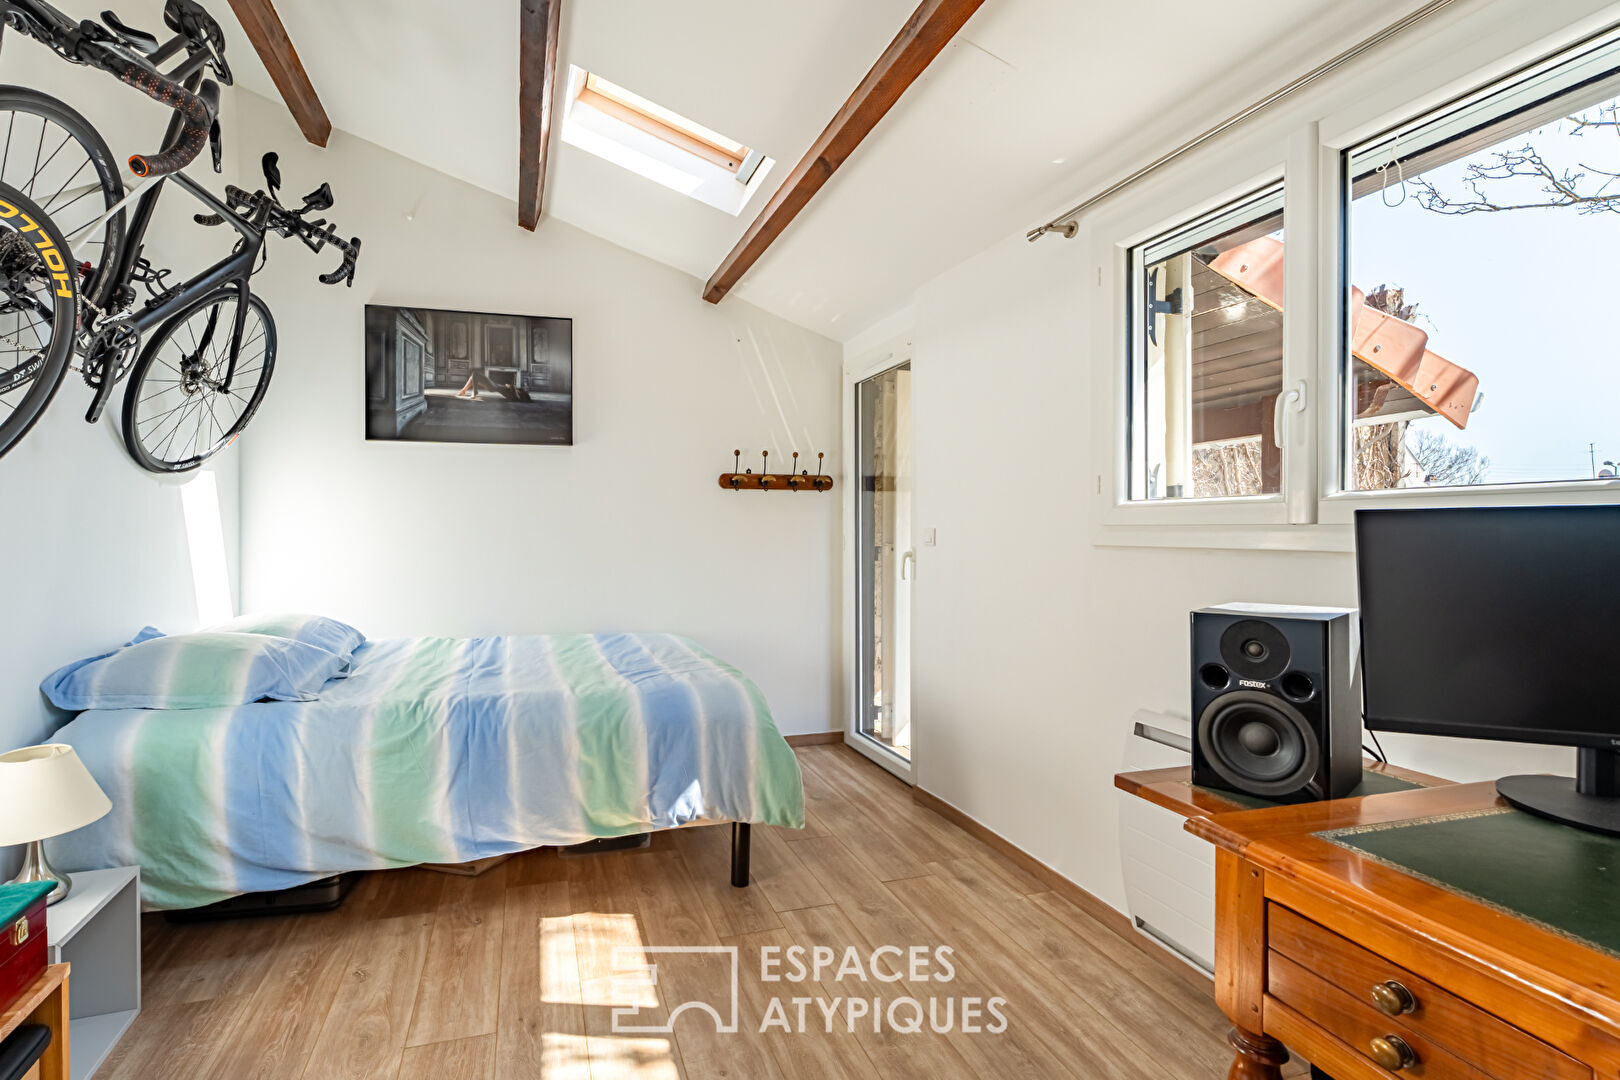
point(97, 929)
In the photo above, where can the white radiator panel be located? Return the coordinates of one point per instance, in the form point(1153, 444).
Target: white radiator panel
point(1169, 873)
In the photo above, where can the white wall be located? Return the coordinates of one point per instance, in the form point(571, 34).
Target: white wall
point(1034, 638)
point(95, 548)
point(1033, 644)
point(627, 529)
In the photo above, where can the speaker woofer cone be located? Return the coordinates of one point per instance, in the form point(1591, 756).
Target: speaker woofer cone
point(1258, 743)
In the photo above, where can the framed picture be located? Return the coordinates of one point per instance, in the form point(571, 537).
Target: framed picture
point(473, 377)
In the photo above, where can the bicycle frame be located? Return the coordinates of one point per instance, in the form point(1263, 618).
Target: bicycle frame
point(236, 268)
point(190, 73)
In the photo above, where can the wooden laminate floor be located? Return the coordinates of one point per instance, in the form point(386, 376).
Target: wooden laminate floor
point(518, 973)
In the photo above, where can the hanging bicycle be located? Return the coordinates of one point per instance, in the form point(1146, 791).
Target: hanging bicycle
point(199, 353)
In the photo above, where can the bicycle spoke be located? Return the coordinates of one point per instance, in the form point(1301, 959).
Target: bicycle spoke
point(29, 190)
point(179, 422)
point(56, 211)
point(213, 417)
point(82, 191)
point(160, 393)
point(160, 417)
point(196, 409)
point(47, 164)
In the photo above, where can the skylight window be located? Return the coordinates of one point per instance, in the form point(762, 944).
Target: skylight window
point(625, 128)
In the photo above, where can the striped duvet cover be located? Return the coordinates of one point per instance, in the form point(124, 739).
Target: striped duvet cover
point(432, 750)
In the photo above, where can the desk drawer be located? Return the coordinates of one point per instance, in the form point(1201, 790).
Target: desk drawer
point(1332, 1010)
point(1452, 1037)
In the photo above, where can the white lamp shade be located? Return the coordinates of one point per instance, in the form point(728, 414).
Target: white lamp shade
point(46, 791)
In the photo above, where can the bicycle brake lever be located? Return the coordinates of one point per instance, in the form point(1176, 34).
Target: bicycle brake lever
point(138, 40)
point(216, 146)
point(319, 199)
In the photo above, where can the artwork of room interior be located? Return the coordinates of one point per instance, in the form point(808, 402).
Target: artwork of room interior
point(749, 540)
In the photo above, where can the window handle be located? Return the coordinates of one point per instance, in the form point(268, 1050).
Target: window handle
point(1294, 397)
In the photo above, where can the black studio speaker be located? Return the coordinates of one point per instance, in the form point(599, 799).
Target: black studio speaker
point(1276, 701)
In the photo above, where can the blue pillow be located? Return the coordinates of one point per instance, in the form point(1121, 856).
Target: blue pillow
point(204, 670)
point(316, 630)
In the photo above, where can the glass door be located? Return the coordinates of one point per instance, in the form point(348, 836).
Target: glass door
point(886, 565)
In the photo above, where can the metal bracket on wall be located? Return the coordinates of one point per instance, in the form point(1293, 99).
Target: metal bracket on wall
point(1170, 305)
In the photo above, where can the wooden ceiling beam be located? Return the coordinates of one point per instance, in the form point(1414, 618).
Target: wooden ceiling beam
point(538, 24)
point(263, 27)
point(924, 36)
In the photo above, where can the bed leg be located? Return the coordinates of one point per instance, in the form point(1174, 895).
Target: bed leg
point(739, 854)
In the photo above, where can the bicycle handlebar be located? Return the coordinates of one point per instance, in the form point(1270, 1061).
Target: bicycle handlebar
point(91, 43)
point(315, 234)
point(196, 113)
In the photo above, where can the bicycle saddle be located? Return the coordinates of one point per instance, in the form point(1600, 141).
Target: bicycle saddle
point(139, 40)
point(191, 19)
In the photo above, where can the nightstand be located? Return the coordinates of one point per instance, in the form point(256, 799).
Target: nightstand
point(97, 929)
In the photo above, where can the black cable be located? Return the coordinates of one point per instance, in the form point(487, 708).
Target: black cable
point(1379, 752)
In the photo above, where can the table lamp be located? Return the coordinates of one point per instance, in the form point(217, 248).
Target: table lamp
point(46, 791)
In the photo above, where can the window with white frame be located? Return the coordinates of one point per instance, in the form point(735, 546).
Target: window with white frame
point(1206, 345)
point(1480, 271)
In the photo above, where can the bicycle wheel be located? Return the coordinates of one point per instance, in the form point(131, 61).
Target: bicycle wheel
point(39, 309)
point(177, 411)
point(55, 157)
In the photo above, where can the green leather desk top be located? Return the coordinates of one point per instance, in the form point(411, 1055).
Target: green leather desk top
point(1372, 783)
point(1564, 879)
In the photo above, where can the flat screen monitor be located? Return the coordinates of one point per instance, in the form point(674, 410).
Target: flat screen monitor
point(1496, 623)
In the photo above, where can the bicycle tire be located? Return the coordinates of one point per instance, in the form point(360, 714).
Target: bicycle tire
point(19, 413)
point(22, 99)
point(137, 392)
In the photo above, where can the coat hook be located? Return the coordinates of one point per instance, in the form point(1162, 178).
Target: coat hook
point(795, 479)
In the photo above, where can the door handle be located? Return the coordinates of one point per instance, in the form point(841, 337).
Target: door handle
point(1294, 398)
point(910, 556)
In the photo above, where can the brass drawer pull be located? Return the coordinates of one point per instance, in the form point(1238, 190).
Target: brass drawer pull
point(1393, 999)
point(19, 931)
point(1392, 1053)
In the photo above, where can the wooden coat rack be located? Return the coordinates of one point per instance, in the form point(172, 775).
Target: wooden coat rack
point(795, 479)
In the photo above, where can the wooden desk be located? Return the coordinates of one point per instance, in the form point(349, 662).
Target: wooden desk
point(46, 1002)
point(1173, 788)
point(1349, 960)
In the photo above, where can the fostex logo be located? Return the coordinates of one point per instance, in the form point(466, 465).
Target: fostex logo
point(638, 974)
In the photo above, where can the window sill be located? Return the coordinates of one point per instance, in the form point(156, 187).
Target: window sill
point(1133, 526)
point(1256, 537)
point(1340, 508)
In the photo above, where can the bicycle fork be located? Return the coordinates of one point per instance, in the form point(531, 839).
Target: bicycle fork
point(146, 320)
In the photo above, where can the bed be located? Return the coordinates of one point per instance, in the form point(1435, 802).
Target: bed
point(433, 750)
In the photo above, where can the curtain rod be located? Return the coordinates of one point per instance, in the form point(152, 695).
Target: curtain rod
point(1065, 223)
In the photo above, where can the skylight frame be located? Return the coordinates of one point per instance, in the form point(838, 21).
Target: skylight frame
point(661, 123)
point(619, 126)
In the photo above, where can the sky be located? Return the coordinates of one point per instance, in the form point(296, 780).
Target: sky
point(1525, 299)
